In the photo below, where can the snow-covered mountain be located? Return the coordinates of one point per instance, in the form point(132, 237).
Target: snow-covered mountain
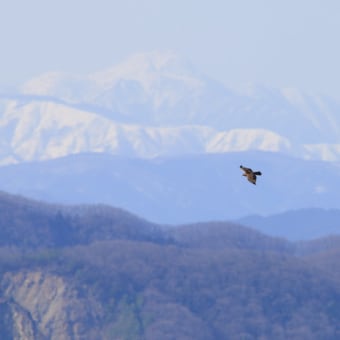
point(161, 89)
point(155, 104)
point(41, 130)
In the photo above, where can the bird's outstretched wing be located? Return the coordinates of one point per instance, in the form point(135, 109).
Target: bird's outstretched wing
point(246, 170)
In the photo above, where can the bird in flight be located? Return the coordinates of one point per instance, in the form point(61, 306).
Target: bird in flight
point(250, 174)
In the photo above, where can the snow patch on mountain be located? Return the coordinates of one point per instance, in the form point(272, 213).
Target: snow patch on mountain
point(149, 69)
point(64, 86)
point(248, 139)
point(40, 130)
point(150, 80)
point(324, 152)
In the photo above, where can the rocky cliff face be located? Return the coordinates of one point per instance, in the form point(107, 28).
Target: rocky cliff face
point(16, 322)
point(40, 305)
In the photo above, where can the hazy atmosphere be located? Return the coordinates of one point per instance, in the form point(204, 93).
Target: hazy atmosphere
point(281, 44)
point(147, 86)
point(170, 170)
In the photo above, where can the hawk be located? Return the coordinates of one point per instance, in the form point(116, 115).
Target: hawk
point(250, 174)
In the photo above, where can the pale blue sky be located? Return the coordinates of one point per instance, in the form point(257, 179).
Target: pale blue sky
point(287, 43)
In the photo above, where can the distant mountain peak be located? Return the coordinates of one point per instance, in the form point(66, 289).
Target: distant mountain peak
point(156, 60)
point(150, 76)
point(161, 89)
point(159, 61)
point(148, 69)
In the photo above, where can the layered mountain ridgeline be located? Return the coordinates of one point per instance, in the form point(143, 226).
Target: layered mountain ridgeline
point(155, 188)
point(302, 224)
point(94, 272)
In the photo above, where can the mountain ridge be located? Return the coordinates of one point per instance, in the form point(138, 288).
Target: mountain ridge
point(302, 224)
point(115, 287)
point(44, 130)
point(179, 189)
point(151, 92)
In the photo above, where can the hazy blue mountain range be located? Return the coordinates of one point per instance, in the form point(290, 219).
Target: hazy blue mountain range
point(303, 224)
point(157, 137)
point(180, 189)
point(155, 104)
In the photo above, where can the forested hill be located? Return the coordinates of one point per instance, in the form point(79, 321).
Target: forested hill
point(26, 223)
point(33, 224)
point(93, 272)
